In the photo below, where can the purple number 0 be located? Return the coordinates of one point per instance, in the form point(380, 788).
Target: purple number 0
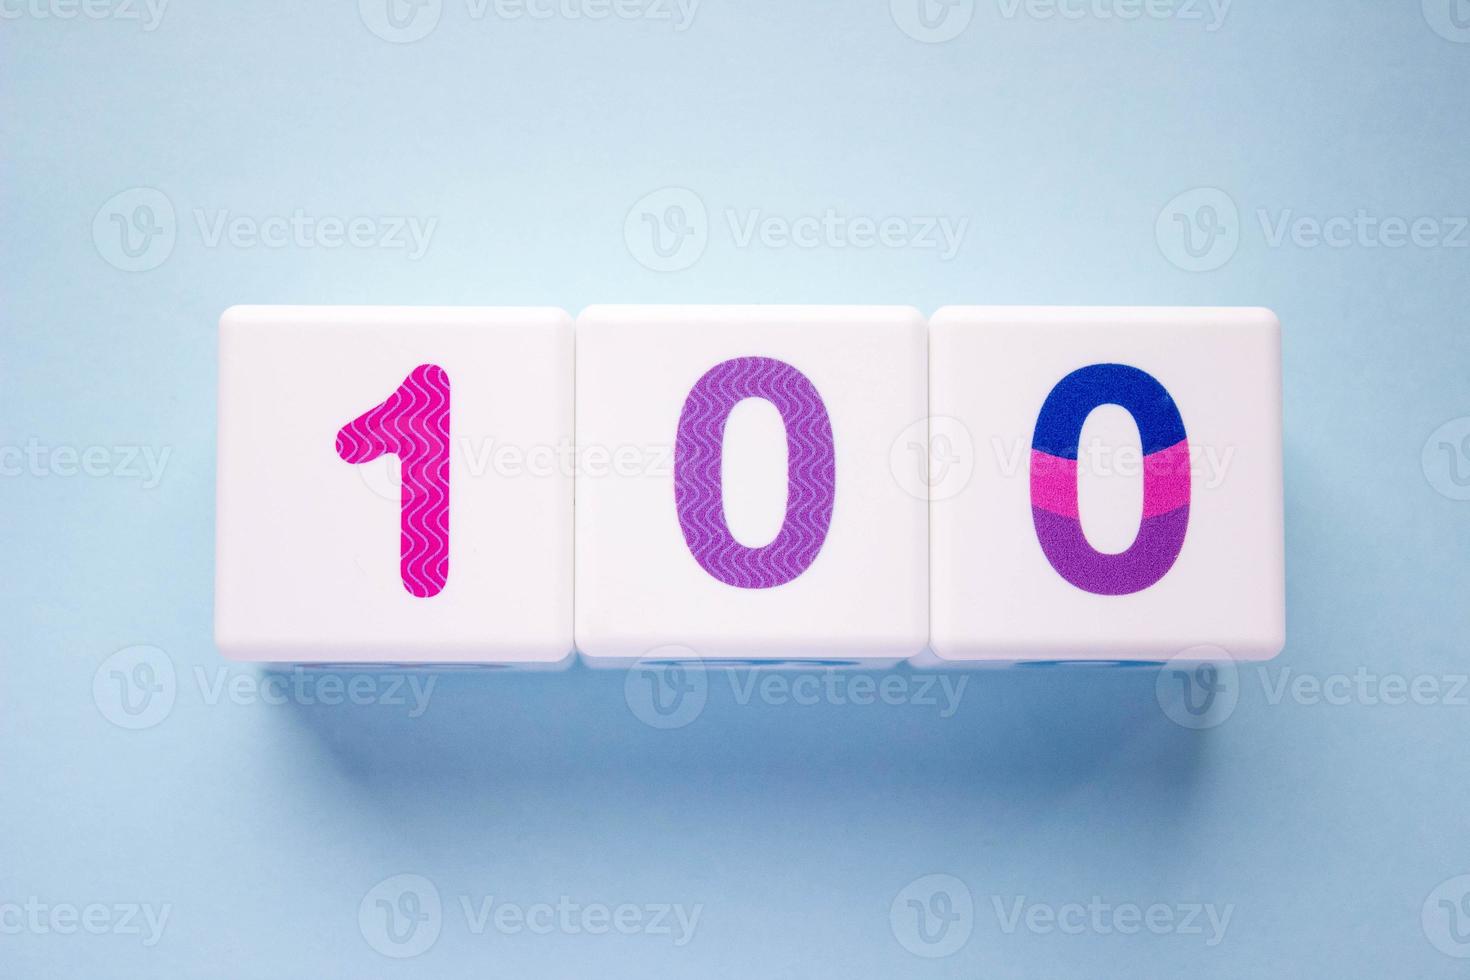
point(811, 472)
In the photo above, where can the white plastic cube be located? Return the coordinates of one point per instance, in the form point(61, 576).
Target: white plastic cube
point(395, 485)
point(1120, 488)
point(735, 500)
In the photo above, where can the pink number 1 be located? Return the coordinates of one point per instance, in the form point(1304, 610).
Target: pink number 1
point(413, 424)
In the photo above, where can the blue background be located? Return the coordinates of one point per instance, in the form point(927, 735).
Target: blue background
point(1062, 141)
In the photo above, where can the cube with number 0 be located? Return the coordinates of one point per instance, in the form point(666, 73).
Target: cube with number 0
point(1119, 493)
point(736, 499)
point(395, 485)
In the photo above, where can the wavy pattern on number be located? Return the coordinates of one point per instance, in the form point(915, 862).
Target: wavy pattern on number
point(413, 424)
point(811, 465)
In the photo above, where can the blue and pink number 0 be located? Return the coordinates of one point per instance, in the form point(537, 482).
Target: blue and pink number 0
point(1054, 450)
